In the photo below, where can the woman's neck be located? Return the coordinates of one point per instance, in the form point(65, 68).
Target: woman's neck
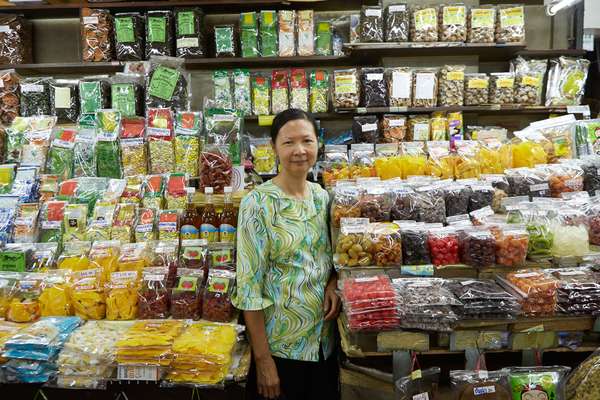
point(292, 185)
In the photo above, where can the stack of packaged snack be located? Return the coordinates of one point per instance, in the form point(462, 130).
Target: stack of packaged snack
point(149, 343)
point(484, 299)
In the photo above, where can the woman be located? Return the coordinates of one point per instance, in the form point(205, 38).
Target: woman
point(285, 281)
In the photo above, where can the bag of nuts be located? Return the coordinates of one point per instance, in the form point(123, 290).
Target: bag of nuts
point(510, 24)
point(452, 85)
point(419, 128)
point(371, 24)
point(482, 24)
point(96, 32)
point(425, 87)
point(502, 87)
point(397, 22)
point(477, 88)
point(346, 89)
point(387, 244)
point(393, 128)
point(424, 24)
point(529, 80)
point(400, 83)
point(319, 91)
point(453, 23)
point(9, 95)
point(352, 248)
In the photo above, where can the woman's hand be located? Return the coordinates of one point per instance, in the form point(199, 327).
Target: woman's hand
point(331, 304)
point(267, 378)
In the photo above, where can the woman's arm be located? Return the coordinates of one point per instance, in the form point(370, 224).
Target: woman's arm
point(266, 371)
point(331, 303)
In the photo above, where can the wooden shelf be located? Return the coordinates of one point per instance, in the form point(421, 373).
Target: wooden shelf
point(489, 109)
point(67, 68)
point(225, 62)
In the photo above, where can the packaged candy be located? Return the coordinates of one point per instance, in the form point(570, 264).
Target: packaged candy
point(121, 296)
point(216, 168)
point(261, 96)
point(189, 34)
point(263, 156)
point(153, 296)
point(186, 295)
point(415, 250)
point(216, 305)
point(133, 257)
point(539, 381)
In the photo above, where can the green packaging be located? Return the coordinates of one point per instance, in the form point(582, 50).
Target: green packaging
point(249, 34)
point(268, 33)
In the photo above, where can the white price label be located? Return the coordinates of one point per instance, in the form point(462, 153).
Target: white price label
point(373, 12)
point(421, 396)
point(158, 132)
point(541, 186)
point(29, 88)
point(397, 8)
point(90, 20)
point(478, 391)
point(187, 42)
point(401, 85)
point(369, 127)
point(397, 122)
point(584, 110)
point(425, 86)
point(138, 373)
point(367, 279)
point(526, 275)
point(374, 77)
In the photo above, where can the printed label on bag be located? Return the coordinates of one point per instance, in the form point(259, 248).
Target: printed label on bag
point(217, 284)
point(185, 23)
point(157, 28)
point(124, 28)
point(90, 20)
point(374, 77)
point(421, 396)
point(369, 127)
point(541, 186)
point(5, 29)
point(163, 82)
point(397, 8)
point(512, 17)
point(32, 88)
point(482, 18)
point(478, 391)
point(138, 373)
point(401, 85)
point(62, 97)
point(187, 42)
point(373, 12)
point(454, 15)
point(425, 86)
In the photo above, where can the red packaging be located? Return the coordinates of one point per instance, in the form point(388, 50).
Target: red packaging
point(443, 246)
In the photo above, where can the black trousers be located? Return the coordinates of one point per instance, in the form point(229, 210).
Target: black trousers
point(303, 380)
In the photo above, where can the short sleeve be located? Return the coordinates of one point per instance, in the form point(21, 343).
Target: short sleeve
point(252, 255)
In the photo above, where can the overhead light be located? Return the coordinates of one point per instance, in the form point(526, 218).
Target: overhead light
point(558, 5)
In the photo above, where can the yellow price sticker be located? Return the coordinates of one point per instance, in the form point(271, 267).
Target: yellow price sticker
point(505, 82)
point(478, 84)
point(531, 81)
point(416, 374)
point(265, 120)
point(456, 76)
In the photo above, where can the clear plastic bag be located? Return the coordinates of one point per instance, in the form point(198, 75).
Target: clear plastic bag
point(223, 95)
point(9, 96)
point(346, 88)
point(566, 81)
point(424, 23)
point(397, 22)
point(15, 40)
point(511, 246)
point(452, 87)
point(440, 162)
point(61, 157)
point(129, 36)
point(279, 91)
point(186, 295)
point(189, 33)
point(413, 158)
point(167, 84)
point(225, 41)
point(108, 159)
point(400, 83)
point(365, 129)
point(298, 89)
point(242, 92)
point(216, 305)
point(187, 150)
point(529, 80)
point(425, 87)
point(319, 91)
point(127, 94)
point(386, 244)
point(502, 88)
point(361, 158)
point(261, 95)
point(370, 303)
point(467, 384)
point(481, 196)
point(443, 246)
point(393, 128)
point(96, 31)
point(64, 99)
point(263, 156)
point(415, 250)
point(353, 247)
point(249, 34)
point(159, 37)
point(345, 203)
point(419, 128)
point(510, 24)
point(478, 248)
point(287, 25)
point(268, 33)
point(457, 198)
point(453, 26)
point(305, 28)
point(477, 88)
point(482, 24)
point(425, 387)
point(544, 382)
point(375, 203)
point(374, 89)
point(35, 96)
point(159, 130)
point(371, 24)
point(133, 148)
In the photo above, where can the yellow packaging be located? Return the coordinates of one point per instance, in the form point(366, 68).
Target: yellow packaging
point(122, 296)
point(467, 166)
point(440, 162)
point(55, 300)
point(88, 296)
point(413, 159)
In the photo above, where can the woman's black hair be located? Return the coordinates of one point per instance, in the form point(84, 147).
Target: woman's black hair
point(291, 114)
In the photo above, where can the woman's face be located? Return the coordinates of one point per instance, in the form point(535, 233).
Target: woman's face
point(296, 146)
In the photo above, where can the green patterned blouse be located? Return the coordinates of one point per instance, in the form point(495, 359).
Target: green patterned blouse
point(283, 265)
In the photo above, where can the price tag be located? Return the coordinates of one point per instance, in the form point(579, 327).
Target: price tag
point(421, 396)
point(90, 20)
point(416, 374)
point(4, 29)
point(417, 270)
point(138, 373)
point(483, 374)
point(361, 110)
point(265, 120)
point(478, 391)
point(398, 109)
point(584, 110)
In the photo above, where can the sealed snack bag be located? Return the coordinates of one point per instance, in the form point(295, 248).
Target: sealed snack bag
point(186, 295)
point(249, 34)
point(75, 222)
point(216, 305)
point(159, 130)
point(176, 196)
point(153, 296)
point(55, 299)
point(26, 222)
point(153, 187)
point(75, 256)
point(133, 147)
point(61, 156)
point(25, 305)
point(168, 225)
point(261, 96)
point(263, 156)
point(123, 223)
point(319, 91)
point(121, 296)
point(268, 33)
point(298, 89)
point(89, 300)
point(104, 256)
point(108, 155)
point(242, 92)
point(145, 227)
point(134, 257)
point(52, 219)
point(188, 126)
point(279, 91)
point(100, 225)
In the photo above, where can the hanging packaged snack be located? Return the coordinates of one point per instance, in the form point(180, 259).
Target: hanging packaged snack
point(221, 255)
point(261, 95)
point(263, 156)
point(324, 39)
point(566, 81)
point(127, 94)
point(298, 89)
point(61, 156)
point(186, 295)
point(346, 88)
point(279, 91)
point(129, 36)
point(249, 34)
point(482, 24)
point(64, 99)
point(168, 225)
point(35, 96)
point(478, 248)
point(371, 24)
point(153, 296)
point(122, 229)
point(399, 85)
point(393, 128)
point(365, 129)
point(153, 188)
point(55, 300)
point(374, 89)
point(216, 305)
point(94, 94)
point(96, 32)
point(159, 131)
point(453, 26)
point(361, 158)
point(15, 40)
point(353, 247)
point(287, 30)
point(397, 22)
point(75, 222)
point(121, 296)
point(223, 95)
point(52, 217)
point(413, 159)
point(476, 89)
point(216, 167)
point(425, 87)
point(440, 162)
point(145, 226)
point(305, 33)
point(268, 33)
point(529, 80)
point(167, 84)
point(9, 95)
point(319, 91)
point(188, 126)
point(242, 99)
point(190, 42)
point(452, 87)
point(424, 24)
point(133, 149)
point(225, 41)
point(176, 196)
point(159, 38)
point(510, 24)
point(24, 305)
